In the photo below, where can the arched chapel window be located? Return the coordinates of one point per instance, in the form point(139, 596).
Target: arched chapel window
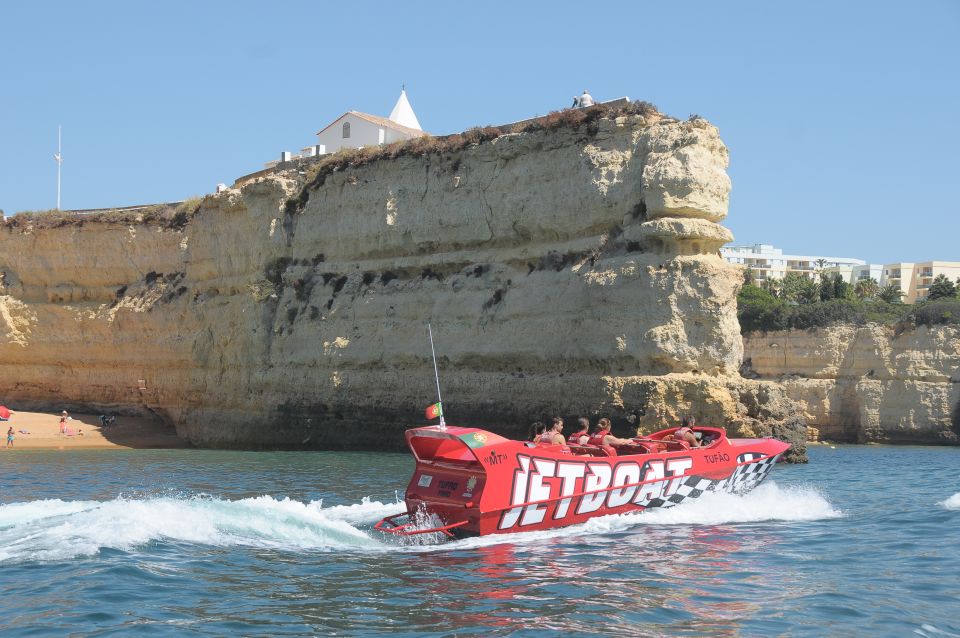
point(346, 130)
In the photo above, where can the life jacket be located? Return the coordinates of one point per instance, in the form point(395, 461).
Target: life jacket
point(597, 439)
point(681, 433)
point(544, 439)
point(575, 437)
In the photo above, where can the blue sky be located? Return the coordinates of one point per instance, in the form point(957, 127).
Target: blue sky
point(842, 118)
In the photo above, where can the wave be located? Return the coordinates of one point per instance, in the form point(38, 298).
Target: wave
point(56, 530)
point(952, 503)
point(51, 530)
point(768, 502)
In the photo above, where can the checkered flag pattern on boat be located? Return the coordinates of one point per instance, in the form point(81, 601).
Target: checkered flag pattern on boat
point(744, 478)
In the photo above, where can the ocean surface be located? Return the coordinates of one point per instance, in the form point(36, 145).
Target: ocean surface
point(863, 541)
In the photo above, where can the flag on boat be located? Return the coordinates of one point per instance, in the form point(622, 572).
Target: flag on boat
point(5, 413)
point(434, 411)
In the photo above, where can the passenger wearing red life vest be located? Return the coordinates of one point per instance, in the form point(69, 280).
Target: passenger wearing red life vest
point(685, 432)
point(580, 437)
point(553, 434)
point(602, 437)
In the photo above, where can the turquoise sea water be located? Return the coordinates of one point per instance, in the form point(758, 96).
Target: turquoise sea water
point(863, 541)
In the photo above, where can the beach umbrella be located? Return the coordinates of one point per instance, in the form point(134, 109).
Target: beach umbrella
point(4, 412)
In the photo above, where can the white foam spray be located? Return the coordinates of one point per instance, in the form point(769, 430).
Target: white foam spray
point(952, 503)
point(768, 502)
point(51, 530)
point(57, 530)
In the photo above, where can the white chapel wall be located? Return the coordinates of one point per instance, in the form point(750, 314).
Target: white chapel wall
point(362, 133)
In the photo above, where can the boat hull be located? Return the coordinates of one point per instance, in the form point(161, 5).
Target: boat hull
point(473, 482)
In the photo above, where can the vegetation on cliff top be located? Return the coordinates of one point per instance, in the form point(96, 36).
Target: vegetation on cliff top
point(172, 216)
point(796, 303)
point(176, 216)
point(588, 118)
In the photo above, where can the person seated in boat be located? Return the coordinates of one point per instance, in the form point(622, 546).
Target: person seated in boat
point(580, 437)
point(537, 428)
point(601, 437)
point(685, 433)
point(553, 435)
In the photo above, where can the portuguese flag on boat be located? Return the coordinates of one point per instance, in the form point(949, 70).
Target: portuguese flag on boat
point(434, 411)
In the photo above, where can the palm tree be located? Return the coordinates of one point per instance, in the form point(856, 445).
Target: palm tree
point(867, 288)
point(818, 271)
point(773, 286)
point(890, 293)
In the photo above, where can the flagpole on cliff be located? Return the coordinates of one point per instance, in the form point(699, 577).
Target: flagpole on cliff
point(436, 375)
point(59, 158)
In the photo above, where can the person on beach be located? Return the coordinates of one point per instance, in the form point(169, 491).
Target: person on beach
point(10, 436)
point(63, 422)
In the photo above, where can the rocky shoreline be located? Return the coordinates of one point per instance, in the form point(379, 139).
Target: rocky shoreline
point(872, 383)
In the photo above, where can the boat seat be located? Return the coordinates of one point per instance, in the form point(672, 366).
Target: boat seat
point(636, 448)
point(589, 450)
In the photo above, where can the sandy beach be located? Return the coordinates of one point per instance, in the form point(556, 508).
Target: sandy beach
point(39, 430)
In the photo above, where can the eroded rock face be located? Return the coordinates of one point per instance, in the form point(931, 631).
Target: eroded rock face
point(746, 408)
point(868, 383)
point(548, 264)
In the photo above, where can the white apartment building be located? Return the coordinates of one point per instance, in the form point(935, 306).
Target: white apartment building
point(853, 274)
point(768, 262)
point(912, 278)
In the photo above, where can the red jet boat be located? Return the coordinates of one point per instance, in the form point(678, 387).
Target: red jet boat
point(471, 482)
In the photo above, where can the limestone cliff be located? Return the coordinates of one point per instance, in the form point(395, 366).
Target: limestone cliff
point(868, 383)
point(572, 270)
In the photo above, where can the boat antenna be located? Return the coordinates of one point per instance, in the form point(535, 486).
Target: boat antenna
point(436, 375)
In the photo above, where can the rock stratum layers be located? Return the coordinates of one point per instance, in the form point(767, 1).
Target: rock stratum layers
point(868, 383)
point(566, 271)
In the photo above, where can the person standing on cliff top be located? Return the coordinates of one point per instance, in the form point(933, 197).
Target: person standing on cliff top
point(582, 101)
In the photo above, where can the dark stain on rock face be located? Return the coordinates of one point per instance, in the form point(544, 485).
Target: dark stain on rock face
point(497, 297)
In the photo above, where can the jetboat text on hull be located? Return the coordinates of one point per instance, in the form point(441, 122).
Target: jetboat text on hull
point(473, 482)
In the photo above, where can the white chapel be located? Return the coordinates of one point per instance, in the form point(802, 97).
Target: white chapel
point(354, 129)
